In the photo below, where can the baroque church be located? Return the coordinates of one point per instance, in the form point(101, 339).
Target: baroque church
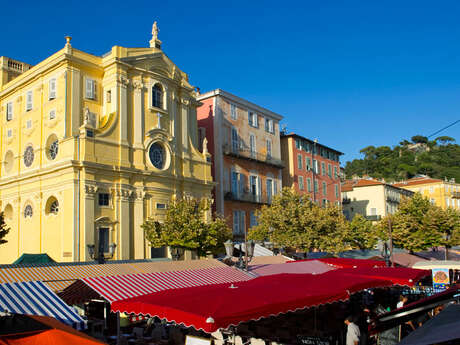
point(91, 146)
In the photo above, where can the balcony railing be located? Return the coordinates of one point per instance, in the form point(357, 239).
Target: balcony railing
point(346, 201)
point(247, 197)
point(393, 199)
point(251, 155)
point(373, 217)
point(456, 195)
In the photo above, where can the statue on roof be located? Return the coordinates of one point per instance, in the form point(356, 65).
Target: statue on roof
point(155, 31)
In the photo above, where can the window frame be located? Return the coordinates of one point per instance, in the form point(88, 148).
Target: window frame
point(99, 199)
point(29, 100)
point(299, 161)
point(9, 111)
point(253, 120)
point(52, 91)
point(300, 183)
point(90, 89)
point(158, 95)
point(233, 114)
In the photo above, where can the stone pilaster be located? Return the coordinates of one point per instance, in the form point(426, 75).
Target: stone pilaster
point(89, 236)
point(138, 214)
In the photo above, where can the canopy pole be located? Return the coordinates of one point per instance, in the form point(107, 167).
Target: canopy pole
point(118, 328)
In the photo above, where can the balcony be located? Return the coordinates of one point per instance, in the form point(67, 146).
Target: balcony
point(373, 217)
point(455, 195)
point(393, 199)
point(254, 156)
point(346, 201)
point(247, 197)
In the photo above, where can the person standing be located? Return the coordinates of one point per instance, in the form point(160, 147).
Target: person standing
point(353, 332)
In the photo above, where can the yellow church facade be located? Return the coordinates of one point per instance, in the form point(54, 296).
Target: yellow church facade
point(91, 146)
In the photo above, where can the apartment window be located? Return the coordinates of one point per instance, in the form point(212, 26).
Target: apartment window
point(108, 96)
point(301, 182)
point(336, 188)
point(323, 168)
point(252, 144)
point(237, 184)
point(254, 186)
point(252, 219)
point(239, 222)
point(307, 164)
point(315, 166)
point(233, 111)
point(316, 186)
point(234, 140)
point(269, 185)
point(297, 144)
point(373, 211)
point(299, 162)
point(52, 114)
point(52, 89)
point(103, 199)
point(29, 124)
point(269, 148)
point(157, 96)
point(324, 188)
point(329, 170)
point(335, 172)
point(29, 100)
point(9, 111)
point(161, 206)
point(269, 125)
point(90, 88)
point(308, 185)
point(10, 133)
point(252, 118)
point(103, 240)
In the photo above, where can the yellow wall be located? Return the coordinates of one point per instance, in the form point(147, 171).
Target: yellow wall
point(443, 193)
point(106, 153)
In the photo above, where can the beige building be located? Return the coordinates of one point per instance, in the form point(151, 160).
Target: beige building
point(93, 145)
point(371, 198)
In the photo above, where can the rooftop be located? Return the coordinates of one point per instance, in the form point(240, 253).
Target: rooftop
point(294, 135)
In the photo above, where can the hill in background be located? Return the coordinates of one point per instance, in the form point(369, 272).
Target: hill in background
point(439, 158)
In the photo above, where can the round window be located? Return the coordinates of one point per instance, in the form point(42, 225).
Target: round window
point(28, 156)
point(28, 211)
point(53, 150)
point(157, 155)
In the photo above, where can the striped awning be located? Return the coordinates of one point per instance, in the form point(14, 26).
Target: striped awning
point(59, 276)
point(114, 288)
point(35, 298)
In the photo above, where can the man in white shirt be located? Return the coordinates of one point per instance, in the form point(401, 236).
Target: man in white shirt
point(353, 332)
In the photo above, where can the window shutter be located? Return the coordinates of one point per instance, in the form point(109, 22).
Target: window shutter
point(93, 88)
point(9, 111)
point(88, 88)
point(241, 183)
point(52, 88)
point(243, 222)
point(29, 100)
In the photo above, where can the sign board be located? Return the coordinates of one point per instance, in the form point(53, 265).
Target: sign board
point(440, 279)
point(191, 340)
point(312, 340)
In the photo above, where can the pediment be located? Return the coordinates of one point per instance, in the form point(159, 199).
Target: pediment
point(156, 62)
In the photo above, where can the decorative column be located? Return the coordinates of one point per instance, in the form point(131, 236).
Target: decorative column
point(138, 214)
point(123, 246)
point(138, 115)
point(88, 230)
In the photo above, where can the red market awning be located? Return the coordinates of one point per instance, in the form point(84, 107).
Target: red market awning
point(218, 306)
point(308, 266)
point(114, 288)
point(397, 275)
point(352, 263)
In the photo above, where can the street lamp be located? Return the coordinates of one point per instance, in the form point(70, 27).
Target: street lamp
point(100, 256)
point(176, 253)
point(385, 251)
point(243, 260)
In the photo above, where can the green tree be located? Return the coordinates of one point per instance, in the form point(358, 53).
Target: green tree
point(362, 234)
point(445, 139)
point(415, 226)
point(419, 139)
point(185, 226)
point(293, 221)
point(4, 229)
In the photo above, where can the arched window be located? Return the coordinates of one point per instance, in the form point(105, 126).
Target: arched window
point(157, 96)
point(28, 212)
point(52, 206)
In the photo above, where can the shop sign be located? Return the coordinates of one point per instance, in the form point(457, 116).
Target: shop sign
point(440, 279)
point(313, 340)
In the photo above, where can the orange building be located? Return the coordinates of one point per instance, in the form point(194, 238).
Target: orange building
point(311, 168)
point(244, 142)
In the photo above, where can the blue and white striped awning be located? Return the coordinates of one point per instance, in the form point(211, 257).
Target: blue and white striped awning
point(35, 298)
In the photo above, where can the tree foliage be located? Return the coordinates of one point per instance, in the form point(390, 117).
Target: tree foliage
point(4, 229)
point(438, 158)
point(185, 226)
point(362, 233)
point(419, 225)
point(293, 221)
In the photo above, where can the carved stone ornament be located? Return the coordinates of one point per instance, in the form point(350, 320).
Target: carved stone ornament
point(90, 189)
point(138, 85)
point(123, 80)
point(124, 193)
point(89, 119)
point(185, 101)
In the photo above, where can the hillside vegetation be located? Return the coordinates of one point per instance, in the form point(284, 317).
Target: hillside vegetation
point(439, 158)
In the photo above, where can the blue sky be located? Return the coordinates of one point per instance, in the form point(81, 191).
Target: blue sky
point(349, 73)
